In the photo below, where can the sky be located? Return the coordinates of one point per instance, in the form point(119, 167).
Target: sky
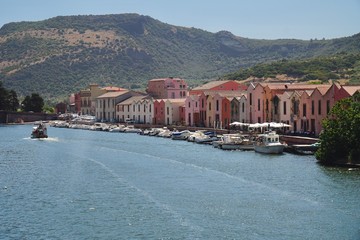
point(257, 19)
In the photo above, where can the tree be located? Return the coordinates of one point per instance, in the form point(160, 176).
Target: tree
point(13, 101)
point(38, 102)
point(3, 98)
point(34, 103)
point(8, 100)
point(26, 104)
point(340, 140)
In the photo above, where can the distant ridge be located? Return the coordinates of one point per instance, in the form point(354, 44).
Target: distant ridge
point(61, 55)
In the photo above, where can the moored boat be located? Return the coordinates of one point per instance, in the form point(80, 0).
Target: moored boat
point(236, 142)
point(183, 135)
point(269, 143)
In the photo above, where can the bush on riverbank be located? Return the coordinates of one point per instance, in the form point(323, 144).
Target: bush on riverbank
point(340, 140)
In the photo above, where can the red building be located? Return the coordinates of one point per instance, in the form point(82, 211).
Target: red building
point(159, 113)
point(60, 108)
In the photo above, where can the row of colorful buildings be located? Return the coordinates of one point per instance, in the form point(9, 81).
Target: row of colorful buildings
point(168, 101)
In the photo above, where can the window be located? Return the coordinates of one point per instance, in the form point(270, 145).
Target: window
point(258, 104)
point(267, 105)
point(312, 107)
point(296, 106)
point(319, 107)
point(284, 108)
point(250, 98)
point(167, 111)
point(189, 105)
point(327, 106)
point(243, 107)
point(209, 106)
point(217, 105)
point(304, 109)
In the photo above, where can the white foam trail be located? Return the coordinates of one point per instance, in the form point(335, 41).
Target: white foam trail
point(49, 139)
point(240, 179)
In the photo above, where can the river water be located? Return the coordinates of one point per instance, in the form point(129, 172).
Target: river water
point(81, 184)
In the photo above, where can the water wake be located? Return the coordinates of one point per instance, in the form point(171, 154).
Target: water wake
point(49, 139)
point(237, 178)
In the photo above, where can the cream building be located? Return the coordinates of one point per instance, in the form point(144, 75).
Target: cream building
point(106, 104)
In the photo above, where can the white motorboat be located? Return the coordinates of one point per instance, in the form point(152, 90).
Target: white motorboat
point(131, 129)
point(183, 135)
point(269, 143)
point(236, 142)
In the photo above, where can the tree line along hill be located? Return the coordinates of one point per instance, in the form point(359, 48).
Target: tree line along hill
point(62, 55)
point(343, 68)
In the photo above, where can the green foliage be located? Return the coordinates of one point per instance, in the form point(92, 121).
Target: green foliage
point(35, 103)
point(340, 140)
point(48, 109)
point(8, 99)
point(320, 68)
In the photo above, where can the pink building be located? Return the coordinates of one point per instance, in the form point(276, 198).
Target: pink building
point(255, 103)
point(192, 110)
point(167, 88)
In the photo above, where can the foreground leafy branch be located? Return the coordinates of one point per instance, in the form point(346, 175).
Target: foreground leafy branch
point(340, 140)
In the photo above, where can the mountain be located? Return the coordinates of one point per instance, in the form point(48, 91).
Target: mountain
point(61, 55)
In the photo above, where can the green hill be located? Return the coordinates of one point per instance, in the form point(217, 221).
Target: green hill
point(61, 55)
point(340, 67)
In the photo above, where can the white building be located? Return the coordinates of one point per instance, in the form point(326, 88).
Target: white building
point(106, 104)
point(137, 108)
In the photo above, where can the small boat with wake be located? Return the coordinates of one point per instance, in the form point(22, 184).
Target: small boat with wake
point(40, 131)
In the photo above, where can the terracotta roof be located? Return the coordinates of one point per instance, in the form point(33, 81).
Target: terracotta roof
point(351, 89)
point(176, 100)
point(235, 93)
point(173, 100)
point(131, 100)
point(162, 79)
point(211, 85)
point(111, 88)
point(323, 89)
point(112, 94)
point(310, 92)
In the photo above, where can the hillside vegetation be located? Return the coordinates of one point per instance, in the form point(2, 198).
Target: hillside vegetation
point(340, 67)
point(61, 55)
